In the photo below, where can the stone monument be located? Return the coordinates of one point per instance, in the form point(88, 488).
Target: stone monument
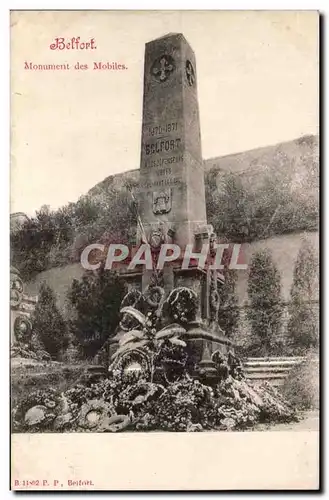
point(171, 194)
point(171, 169)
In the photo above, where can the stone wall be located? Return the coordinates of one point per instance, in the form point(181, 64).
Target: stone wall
point(284, 250)
point(59, 279)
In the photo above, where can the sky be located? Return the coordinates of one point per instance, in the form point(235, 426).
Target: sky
point(257, 85)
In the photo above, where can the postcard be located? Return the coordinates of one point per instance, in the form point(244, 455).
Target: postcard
point(164, 272)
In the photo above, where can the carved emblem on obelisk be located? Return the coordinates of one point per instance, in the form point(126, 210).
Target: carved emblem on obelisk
point(162, 202)
point(162, 68)
point(190, 74)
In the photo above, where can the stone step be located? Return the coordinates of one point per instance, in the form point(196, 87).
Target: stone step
point(273, 369)
point(271, 365)
point(276, 358)
point(265, 376)
point(265, 369)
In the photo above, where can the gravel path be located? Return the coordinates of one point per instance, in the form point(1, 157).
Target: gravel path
point(309, 422)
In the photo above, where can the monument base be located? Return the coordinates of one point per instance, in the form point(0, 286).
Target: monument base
point(184, 303)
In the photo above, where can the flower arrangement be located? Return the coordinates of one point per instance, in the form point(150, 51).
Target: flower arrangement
point(95, 415)
point(132, 403)
point(150, 386)
point(37, 411)
point(182, 304)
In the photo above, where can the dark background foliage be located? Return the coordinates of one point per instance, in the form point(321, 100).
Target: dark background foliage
point(265, 302)
point(49, 325)
point(303, 325)
point(95, 302)
point(55, 238)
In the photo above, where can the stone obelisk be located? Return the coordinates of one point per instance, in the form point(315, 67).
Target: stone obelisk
point(171, 193)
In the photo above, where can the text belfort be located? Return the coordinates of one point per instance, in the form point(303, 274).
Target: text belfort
point(75, 43)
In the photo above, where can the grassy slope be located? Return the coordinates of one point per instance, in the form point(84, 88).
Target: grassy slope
point(29, 375)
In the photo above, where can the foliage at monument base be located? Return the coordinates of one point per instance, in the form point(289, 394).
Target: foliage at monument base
point(21, 350)
point(302, 386)
point(153, 383)
point(131, 403)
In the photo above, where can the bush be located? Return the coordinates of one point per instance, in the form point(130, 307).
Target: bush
point(265, 303)
point(228, 313)
point(53, 238)
point(301, 387)
point(303, 324)
point(48, 323)
point(95, 301)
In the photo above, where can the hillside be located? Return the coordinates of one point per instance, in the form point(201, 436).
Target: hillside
point(250, 196)
point(296, 161)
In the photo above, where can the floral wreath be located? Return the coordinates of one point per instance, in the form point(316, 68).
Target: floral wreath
point(37, 410)
point(133, 356)
point(101, 411)
point(17, 284)
point(154, 295)
point(136, 395)
point(115, 423)
point(132, 298)
point(20, 335)
point(15, 298)
point(182, 304)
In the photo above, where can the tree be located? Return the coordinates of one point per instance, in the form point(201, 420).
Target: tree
point(228, 314)
point(48, 323)
point(265, 304)
point(95, 301)
point(227, 206)
point(302, 325)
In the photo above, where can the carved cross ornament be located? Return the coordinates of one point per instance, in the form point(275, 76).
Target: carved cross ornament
point(162, 68)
